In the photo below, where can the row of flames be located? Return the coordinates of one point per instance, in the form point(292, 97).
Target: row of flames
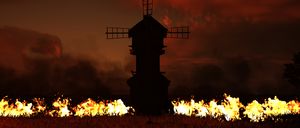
point(61, 108)
point(230, 108)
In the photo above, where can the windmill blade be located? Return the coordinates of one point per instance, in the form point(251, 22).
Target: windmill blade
point(178, 32)
point(147, 7)
point(116, 33)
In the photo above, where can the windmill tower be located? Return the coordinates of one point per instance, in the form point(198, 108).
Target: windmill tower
point(148, 85)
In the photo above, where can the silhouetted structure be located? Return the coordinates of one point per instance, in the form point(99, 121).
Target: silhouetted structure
point(148, 86)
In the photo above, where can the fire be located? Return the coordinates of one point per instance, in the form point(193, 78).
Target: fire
point(62, 108)
point(254, 111)
point(271, 108)
point(230, 109)
point(40, 107)
point(117, 107)
point(16, 109)
point(294, 107)
point(92, 108)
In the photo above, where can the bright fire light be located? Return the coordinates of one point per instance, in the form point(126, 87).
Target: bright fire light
point(62, 108)
point(92, 108)
point(230, 108)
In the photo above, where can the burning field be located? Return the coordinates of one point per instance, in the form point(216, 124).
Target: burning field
point(229, 112)
point(165, 121)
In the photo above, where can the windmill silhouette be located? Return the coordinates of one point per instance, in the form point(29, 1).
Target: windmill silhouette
point(148, 85)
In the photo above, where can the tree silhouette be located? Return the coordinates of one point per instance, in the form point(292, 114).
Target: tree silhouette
point(292, 70)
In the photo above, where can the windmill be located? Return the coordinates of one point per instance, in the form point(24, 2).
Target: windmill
point(148, 85)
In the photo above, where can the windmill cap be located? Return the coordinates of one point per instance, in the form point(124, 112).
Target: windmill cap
point(150, 25)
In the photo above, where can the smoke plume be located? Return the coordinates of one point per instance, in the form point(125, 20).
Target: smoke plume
point(234, 47)
point(32, 64)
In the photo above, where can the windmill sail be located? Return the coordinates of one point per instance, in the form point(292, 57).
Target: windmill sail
point(116, 33)
point(147, 7)
point(178, 32)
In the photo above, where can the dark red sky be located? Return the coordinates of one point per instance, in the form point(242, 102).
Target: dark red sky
point(240, 44)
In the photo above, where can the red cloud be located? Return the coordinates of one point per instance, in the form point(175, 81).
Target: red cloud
point(208, 11)
point(18, 45)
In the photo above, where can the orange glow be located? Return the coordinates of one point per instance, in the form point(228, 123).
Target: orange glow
point(230, 109)
point(92, 108)
point(16, 109)
point(61, 108)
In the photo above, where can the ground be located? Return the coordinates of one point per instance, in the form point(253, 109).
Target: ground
point(166, 121)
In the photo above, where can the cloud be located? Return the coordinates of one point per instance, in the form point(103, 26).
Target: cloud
point(32, 64)
point(249, 57)
point(232, 10)
point(241, 45)
point(235, 46)
point(19, 45)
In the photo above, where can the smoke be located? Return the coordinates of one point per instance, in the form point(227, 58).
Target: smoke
point(234, 47)
point(215, 11)
point(19, 45)
point(242, 58)
point(32, 64)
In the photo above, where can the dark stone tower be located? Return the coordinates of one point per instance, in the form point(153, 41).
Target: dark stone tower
point(148, 86)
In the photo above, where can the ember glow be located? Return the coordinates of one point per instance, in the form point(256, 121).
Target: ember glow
point(230, 108)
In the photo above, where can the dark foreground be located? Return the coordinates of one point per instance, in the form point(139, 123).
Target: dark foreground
point(167, 121)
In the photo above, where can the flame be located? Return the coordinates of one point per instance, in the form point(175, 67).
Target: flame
point(16, 109)
point(271, 108)
point(254, 111)
point(40, 106)
point(294, 107)
point(230, 108)
point(92, 108)
point(61, 108)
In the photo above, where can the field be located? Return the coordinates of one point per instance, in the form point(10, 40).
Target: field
point(61, 113)
point(165, 121)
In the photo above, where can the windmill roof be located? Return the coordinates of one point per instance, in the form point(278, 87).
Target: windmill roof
point(145, 24)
